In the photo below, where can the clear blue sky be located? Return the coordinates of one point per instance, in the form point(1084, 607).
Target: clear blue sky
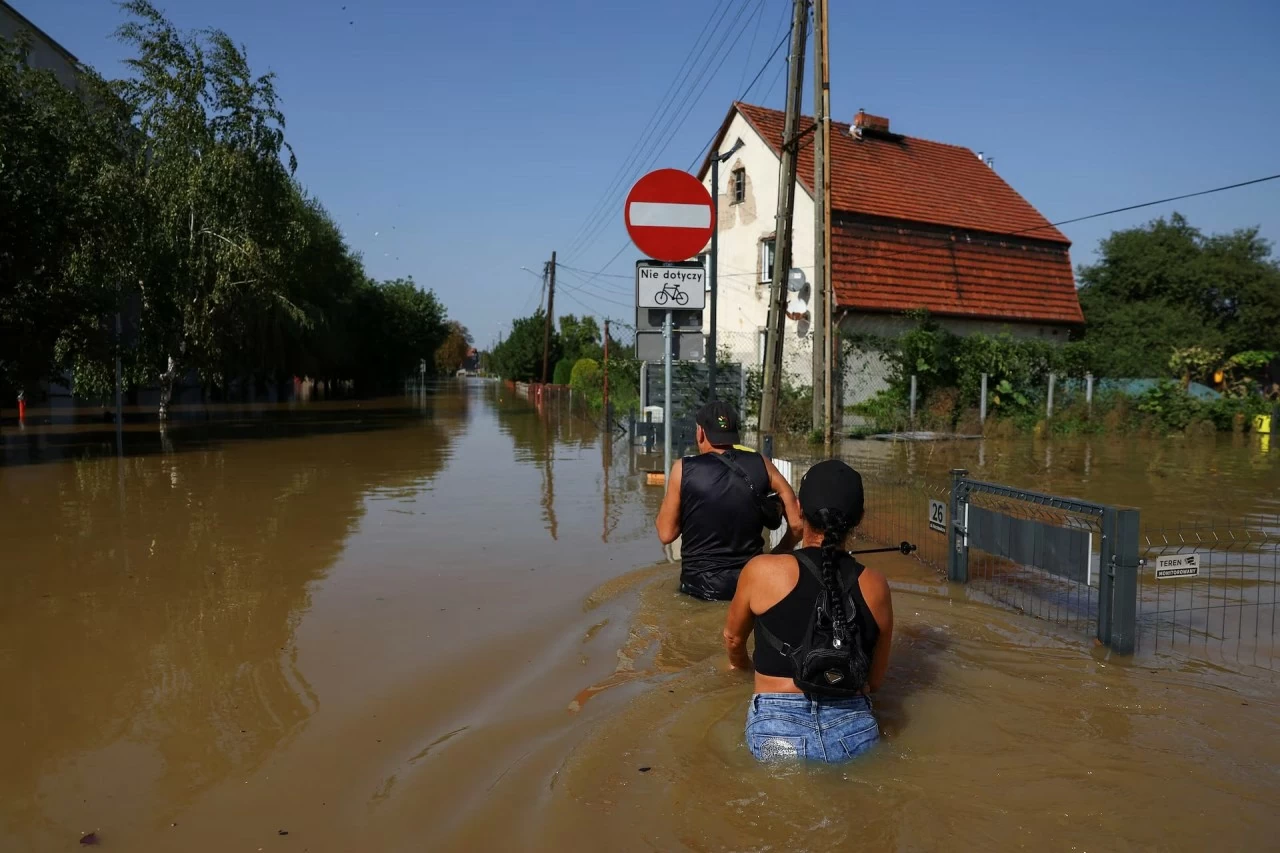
point(459, 142)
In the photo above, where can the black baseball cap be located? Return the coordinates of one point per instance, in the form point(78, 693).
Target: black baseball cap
point(719, 421)
point(831, 484)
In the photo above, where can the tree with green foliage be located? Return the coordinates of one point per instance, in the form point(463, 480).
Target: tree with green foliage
point(68, 222)
point(169, 197)
point(580, 338)
point(220, 195)
point(563, 372)
point(519, 356)
point(1166, 285)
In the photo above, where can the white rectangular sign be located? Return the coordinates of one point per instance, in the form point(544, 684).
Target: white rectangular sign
point(1179, 566)
point(671, 287)
point(938, 516)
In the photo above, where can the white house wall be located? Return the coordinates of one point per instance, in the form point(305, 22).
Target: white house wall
point(743, 303)
point(743, 307)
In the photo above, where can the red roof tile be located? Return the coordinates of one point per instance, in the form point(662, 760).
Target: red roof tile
point(883, 267)
point(901, 177)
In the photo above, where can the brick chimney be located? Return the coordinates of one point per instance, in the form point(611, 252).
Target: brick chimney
point(865, 121)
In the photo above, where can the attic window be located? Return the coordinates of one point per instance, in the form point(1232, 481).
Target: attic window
point(738, 185)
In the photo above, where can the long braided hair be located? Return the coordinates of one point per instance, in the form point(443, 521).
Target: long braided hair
point(835, 526)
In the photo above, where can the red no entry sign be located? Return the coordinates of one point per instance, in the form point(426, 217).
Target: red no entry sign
point(669, 215)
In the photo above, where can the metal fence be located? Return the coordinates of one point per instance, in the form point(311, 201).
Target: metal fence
point(1210, 590)
point(896, 506)
point(1063, 560)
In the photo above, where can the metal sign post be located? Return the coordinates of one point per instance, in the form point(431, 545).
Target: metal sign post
point(666, 401)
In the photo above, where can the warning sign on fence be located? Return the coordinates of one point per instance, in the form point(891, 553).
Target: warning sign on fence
point(1181, 566)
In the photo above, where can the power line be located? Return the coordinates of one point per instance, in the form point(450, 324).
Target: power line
point(1160, 201)
point(755, 33)
point(590, 273)
point(1098, 215)
point(673, 121)
point(745, 93)
point(677, 82)
point(591, 295)
point(609, 289)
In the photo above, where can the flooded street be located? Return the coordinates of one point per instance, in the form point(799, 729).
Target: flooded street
point(442, 623)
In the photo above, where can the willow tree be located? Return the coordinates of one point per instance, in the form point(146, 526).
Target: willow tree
point(216, 172)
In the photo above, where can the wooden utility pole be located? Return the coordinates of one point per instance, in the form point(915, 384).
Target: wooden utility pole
point(783, 222)
point(551, 301)
point(608, 420)
point(825, 338)
point(821, 215)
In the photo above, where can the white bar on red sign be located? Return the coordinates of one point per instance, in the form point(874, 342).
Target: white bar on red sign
point(655, 214)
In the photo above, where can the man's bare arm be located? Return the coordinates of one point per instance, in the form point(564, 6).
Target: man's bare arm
point(668, 522)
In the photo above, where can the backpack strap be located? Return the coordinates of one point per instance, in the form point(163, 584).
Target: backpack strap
point(768, 636)
point(814, 569)
point(734, 466)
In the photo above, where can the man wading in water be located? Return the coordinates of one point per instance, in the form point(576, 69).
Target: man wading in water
point(718, 503)
point(823, 626)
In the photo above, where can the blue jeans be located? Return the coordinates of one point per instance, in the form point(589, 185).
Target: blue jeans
point(782, 726)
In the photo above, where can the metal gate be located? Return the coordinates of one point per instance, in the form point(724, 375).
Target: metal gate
point(1061, 559)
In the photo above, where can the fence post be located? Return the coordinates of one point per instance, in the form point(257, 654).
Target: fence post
point(1088, 392)
point(913, 399)
point(1106, 574)
point(1048, 412)
point(1124, 602)
point(982, 404)
point(957, 536)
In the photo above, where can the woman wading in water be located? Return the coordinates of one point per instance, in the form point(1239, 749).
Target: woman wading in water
point(823, 625)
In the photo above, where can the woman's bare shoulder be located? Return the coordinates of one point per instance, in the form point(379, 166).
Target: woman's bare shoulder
point(874, 584)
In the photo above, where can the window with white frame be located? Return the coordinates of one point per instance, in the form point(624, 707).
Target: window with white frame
point(767, 247)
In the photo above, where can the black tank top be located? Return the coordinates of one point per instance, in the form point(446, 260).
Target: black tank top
point(721, 526)
point(789, 618)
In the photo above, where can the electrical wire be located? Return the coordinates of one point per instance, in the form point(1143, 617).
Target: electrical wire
point(590, 273)
point(755, 33)
point(677, 82)
point(673, 121)
point(745, 94)
point(1098, 215)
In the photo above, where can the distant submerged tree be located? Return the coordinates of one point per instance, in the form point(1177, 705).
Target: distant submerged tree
point(453, 353)
point(1167, 286)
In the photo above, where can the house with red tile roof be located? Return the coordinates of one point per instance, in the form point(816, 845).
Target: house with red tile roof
point(916, 224)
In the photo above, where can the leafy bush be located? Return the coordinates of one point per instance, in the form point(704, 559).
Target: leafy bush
point(1170, 406)
point(563, 372)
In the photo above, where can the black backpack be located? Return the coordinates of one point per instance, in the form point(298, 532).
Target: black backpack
point(830, 660)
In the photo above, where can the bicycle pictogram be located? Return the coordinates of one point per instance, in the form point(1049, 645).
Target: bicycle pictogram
point(671, 290)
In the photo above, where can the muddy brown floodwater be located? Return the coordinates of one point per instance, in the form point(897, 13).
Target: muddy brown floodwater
point(439, 623)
